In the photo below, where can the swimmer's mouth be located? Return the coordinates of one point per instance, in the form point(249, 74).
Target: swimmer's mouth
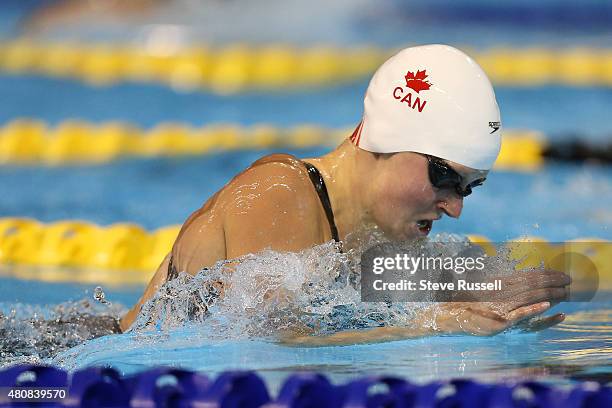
point(424, 226)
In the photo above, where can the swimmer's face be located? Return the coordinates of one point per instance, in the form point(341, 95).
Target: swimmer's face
point(405, 203)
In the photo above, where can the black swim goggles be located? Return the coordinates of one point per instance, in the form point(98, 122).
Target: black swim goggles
point(441, 175)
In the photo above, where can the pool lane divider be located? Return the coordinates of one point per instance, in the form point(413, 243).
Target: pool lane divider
point(119, 253)
point(165, 386)
point(239, 67)
point(27, 141)
point(79, 251)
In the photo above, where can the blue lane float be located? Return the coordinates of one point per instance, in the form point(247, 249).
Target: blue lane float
point(172, 387)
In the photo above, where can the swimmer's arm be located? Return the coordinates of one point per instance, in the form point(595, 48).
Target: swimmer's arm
point(428, 323)
point(527, 295)
point(347, 337)
point(476, 318)
point(158, 279)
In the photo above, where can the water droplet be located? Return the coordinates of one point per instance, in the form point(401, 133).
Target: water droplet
point(100, 296)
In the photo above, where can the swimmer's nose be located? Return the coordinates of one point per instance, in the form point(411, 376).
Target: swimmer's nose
point(451, 205)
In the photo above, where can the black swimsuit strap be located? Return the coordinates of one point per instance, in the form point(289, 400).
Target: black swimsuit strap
point(319, 184)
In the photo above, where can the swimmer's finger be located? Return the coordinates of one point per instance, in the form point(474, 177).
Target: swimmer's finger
point(525, 281)
point(530, 296)
point(541, 324)
point(551, 295)
point(525, 312)
point(537, 279)
point(548, 279)
point(517, 289)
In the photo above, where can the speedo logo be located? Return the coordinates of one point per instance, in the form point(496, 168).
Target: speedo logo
point(495, 126)
point(414, 83)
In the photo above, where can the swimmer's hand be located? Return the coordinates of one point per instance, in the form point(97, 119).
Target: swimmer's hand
point(482, 319)
point(526, 295)
point(471, 320)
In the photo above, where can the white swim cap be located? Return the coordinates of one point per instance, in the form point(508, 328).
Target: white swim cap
point(432, 99)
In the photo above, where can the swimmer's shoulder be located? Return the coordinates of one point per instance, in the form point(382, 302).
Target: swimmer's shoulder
point(279, 178)
point(274, 174)
point(275, 170)
point(272, 198)
point(281, 162)
point(278, 164)
point(273, 202)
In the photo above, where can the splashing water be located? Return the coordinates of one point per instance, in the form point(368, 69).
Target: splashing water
point(316, 291)
point(100, 296)
point(32, 334)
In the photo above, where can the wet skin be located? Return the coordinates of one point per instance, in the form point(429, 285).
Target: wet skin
point(273, 204)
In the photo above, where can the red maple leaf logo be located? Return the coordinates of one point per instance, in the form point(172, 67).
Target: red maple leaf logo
point(417, 82)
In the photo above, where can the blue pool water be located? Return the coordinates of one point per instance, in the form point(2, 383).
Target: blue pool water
point(578, 348)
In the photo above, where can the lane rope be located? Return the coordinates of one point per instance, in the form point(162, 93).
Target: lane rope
point(81, 244)
point(222, 70)
point(27, 141)
point(171, 386)
point(240, 67)
point(99, 252)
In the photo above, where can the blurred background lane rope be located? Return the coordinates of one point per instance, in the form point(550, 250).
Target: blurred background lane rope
point(128, 246)
point(28, 141)
point(239, 67)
